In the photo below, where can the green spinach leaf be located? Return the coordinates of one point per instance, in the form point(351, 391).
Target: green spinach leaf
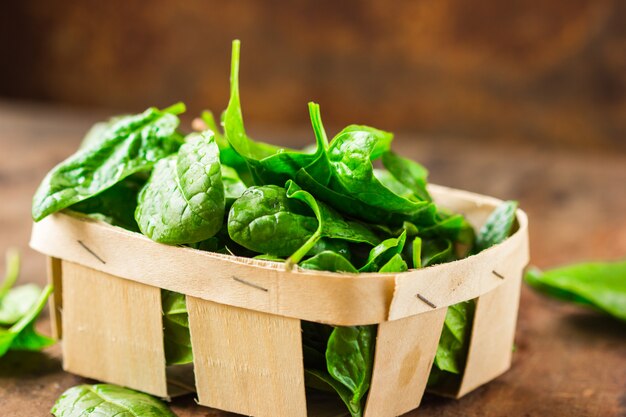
point(453, 344)
point(22, 334)
point(129, 145)
point(497, 227)
point(350, 361)
point(17, 302)
point(382, 253)
point(266, 221)
point(330, 224)
point(329, 261)
point(104, 400)
point(183, 201)
point(411, 174)
point(116, 205)
point(268, 164)
point(600, 285)
point(177, 339)
point(436, 251)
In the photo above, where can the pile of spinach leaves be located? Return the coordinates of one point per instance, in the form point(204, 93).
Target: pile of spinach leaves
point(326, 209)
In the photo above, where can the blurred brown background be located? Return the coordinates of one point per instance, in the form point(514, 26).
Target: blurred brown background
point(551, 72)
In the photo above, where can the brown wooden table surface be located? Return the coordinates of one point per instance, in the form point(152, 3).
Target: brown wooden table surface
point(568, 361)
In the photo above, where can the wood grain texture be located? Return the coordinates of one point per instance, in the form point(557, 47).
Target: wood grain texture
point(550, 73)
point(55, 304)
point(113, 330)
point(405, 351)
point(566, 358)
point(493, 330)
point(246, 361)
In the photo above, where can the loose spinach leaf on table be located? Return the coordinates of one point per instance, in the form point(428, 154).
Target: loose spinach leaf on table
point(330, 224)
point(266, 221)
point(129, 145)
point(22, 334)
point(183, 201)
point(176, 334)
point(268, 164)
point(104, 400)
point(600, 285)
point(15, 302)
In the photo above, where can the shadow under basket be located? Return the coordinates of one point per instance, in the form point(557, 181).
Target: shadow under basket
point(245, 315)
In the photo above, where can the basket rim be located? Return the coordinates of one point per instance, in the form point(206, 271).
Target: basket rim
point(56, 235)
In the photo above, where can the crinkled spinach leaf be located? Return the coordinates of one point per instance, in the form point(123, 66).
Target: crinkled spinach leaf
point(183, 201)
point(600, 285)
point(104, 400)
point(266, 221)
point(130, 144)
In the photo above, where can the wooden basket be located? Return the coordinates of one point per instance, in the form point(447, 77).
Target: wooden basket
point(245, 314)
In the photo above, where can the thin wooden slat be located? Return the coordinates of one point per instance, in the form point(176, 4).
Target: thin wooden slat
point(405, 351)
point(266, 286)
point(56, 300)
point(112, 330)
point(245, 361)
point(491, 345)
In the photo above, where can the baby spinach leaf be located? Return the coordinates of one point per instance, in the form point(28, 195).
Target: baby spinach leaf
point(116, 205)
point(268, 164)
point(343, 177)
point(329, 261)
point(383, 252)
point(177, 339)
point(228, 156)
point(497, 227)
point(12, 272)
point(411, 174)
point(350, 360)
point(129, 145)
point(17, 303)
point(266, 221)
point(454, 342)
point(330, 224)
point(183, 201)
point(450, 226)
point(233, 185)
point(340, 247)
point(600, 285)
point(322, 381)
point(436, 251)
point(416, 252)
point(104, 400)
point(22, 334)
point(395, 264)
